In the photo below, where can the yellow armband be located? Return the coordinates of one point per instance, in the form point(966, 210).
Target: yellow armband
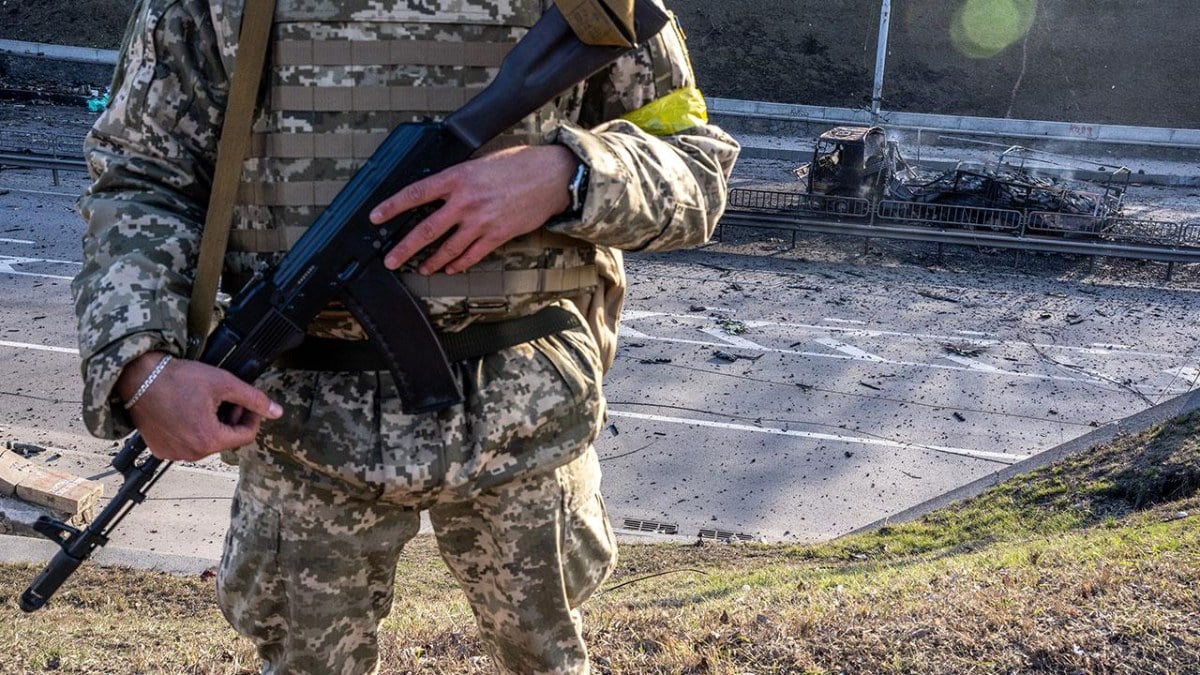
point(680, 110)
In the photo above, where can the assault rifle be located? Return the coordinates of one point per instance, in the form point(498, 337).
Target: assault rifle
point(340, 257)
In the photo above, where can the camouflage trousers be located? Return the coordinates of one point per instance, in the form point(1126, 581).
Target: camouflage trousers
point(331, 493)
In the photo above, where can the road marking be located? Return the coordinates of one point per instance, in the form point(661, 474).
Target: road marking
point(7, 262)
point(1188, 373)
point(629, 333)
point(733, 340)
point(16, 241)
point(41, 348)
point(634, 315)
point(850, 350)
point(972, 364)
point(1102, 348)
point(964, 452)
point(45, 192)
point(34, 274)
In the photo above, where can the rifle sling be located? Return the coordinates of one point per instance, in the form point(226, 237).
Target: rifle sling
point(474, 341)
point(232, 147)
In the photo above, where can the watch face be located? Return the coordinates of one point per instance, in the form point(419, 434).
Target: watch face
point(578, 187)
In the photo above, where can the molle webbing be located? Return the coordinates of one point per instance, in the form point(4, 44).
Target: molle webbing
point(282, 239)
point(474, 341)
point(366, 98)
point(375, 53)
point(265, 241)
point(339, 81)
point(489, 290)
point(484, 286)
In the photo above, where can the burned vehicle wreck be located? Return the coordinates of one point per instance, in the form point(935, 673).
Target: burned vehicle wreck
point(862, 163)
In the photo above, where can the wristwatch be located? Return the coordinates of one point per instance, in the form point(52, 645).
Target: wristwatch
point(578, 189)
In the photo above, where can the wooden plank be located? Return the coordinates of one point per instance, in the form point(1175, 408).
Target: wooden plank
point(52, 488)
point(13, 470)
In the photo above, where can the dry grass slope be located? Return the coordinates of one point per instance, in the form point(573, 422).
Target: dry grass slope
point(1086, 566)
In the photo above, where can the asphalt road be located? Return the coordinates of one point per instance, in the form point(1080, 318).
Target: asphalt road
point(759, 392)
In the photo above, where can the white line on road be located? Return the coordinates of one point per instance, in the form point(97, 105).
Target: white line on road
point(1189, 373)
point(972, 364)
point(73, 195)
point(964, 452)
point(634, 315)
point(849, 350)
point(16, 241)
point(7, 262)
point(629, 333)
point(34, 274)
point(40, 348)
point(733, 340)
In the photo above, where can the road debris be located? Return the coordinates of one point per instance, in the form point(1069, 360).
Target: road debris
point(731, 326)
point(964, 348)
point(25, 450)
point(935, 296)
point(733, 358)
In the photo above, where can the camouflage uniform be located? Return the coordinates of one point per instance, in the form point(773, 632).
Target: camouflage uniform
point(331, 491)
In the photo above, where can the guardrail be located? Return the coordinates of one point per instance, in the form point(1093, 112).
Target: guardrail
point(51, 163)
point(41, 143)
point(104, 57)
point(1089, 132)
point(1042, 231)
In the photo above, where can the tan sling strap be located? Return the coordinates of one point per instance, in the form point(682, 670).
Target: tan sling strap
point(600, 22)
point(257, 16)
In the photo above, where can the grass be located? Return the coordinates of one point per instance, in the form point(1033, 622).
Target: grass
point(1086, 566)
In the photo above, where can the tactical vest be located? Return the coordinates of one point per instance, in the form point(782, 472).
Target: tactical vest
point(341, 75)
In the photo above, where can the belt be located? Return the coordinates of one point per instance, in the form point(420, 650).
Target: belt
point(476, 340)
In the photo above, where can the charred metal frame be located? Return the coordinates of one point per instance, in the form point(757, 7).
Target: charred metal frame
point(1042, 231)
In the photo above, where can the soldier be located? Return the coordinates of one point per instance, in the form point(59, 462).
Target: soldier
point(332, 474)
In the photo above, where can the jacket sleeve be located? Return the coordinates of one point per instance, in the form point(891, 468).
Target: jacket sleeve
point(655, 184)
point(150, 155)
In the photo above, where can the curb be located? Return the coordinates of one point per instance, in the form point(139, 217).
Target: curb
point(17, 549)
point(1133, 424)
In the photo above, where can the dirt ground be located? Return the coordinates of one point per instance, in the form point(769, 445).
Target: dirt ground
point(1098, 61)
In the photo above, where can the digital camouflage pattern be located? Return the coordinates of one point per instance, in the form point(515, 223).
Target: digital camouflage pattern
point(494, 472)
point(276, 569)
point(318, 525)
point(528, 408)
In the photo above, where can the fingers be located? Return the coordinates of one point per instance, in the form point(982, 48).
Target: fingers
point(247, 397)
point(486, 202)
point(467, 246)
point(434, 227)
point(180, 416)
point(411, 196)
point(428, 190)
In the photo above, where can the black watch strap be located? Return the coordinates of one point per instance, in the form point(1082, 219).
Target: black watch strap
point(578, 188)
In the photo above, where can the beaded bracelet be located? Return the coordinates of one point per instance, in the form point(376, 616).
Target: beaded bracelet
point(137, 395)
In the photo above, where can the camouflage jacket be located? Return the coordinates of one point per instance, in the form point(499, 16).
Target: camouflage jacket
point(151, 155)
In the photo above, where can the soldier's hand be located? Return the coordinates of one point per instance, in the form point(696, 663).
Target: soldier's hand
point(488, 201)
point(177, 414)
